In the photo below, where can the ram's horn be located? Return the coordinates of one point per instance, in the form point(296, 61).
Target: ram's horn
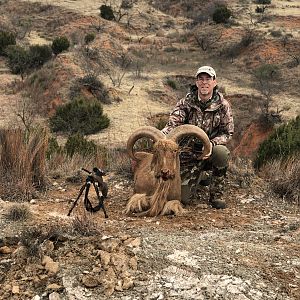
point(143, 132)
point(191, 130)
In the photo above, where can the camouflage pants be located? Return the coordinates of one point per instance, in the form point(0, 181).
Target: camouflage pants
point(196, 173)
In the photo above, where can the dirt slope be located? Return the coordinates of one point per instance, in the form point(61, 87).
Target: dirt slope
point(248, 251)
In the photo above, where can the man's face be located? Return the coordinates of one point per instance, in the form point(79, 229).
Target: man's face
point(205, 84)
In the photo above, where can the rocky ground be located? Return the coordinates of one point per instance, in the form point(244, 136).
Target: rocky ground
point(248, 251)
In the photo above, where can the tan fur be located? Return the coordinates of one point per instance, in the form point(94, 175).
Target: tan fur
point(157, 175)
point(173, 207)
point(137, 203)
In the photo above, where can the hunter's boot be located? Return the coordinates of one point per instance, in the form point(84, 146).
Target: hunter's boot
point(216, 188)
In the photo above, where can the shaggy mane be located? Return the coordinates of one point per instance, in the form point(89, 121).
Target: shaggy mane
point(158, 199)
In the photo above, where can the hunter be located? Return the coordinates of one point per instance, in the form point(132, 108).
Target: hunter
point(204, 106)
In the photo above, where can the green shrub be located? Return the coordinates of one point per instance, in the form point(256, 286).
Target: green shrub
point(38, 55)
point(78, 144)
point(281, 144)
point(6, 39)
point(260, 9)
point(79, 116)
point(18, 59)
point(60, 44)
point(222, 14)
point(106, 12)
point(171, 83)
point(276, 33)
point(89, 38)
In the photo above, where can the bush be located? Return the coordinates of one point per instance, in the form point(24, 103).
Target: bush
point(18, 59)
point(95, 87)
point(221, 14)
point(38, 55)
point(6, 39)
point(79, 116)
point(89, 38)
point(18, 212)
point(106, 12)
point(78, 144)
point(281, 144)
point(60, 44)
point(171, 83)
point(260, 10)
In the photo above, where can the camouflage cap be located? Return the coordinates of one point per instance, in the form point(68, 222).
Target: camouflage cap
point(208, 70)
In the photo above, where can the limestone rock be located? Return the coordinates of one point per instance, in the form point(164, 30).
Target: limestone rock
point(110, 245)
point(5, 250)
point(89, 281)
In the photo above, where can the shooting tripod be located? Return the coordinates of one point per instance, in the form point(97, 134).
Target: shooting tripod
point(94, 178)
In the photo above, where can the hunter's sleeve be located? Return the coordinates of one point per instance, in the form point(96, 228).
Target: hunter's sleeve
point(226, 126)
point(177, 116)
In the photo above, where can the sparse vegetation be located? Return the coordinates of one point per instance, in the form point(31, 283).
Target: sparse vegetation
point(79, 116)
point(266, 81)
point(84, 224)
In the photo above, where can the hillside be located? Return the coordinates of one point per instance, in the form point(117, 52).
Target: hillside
point(146, 62)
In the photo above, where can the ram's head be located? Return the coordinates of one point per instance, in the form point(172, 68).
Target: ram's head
point(165, 160)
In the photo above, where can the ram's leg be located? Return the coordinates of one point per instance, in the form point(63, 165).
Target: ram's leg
point(173, 207)
point(137, 203)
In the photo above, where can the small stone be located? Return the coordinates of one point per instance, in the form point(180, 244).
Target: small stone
point(15, 289)
point(54, 296)
point(53, 286)
point(133, 242)
point(89, 281)
point(127, 283)
point(5, 250)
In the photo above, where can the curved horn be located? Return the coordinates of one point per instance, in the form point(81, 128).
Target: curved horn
point(145, 131)
point(188, 129)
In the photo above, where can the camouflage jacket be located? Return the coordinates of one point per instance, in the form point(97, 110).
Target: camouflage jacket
point(215, 119)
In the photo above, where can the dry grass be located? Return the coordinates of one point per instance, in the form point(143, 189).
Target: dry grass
point(18, 212)
point(22, 163)
point(62, 165)
point(84, 224)
point(241, 171)
point(284, 178)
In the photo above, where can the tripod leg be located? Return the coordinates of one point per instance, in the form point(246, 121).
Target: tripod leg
point(87, 203)
point(75, 202)
point(100, 198)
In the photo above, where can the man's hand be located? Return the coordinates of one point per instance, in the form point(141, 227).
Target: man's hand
point(210, 152)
